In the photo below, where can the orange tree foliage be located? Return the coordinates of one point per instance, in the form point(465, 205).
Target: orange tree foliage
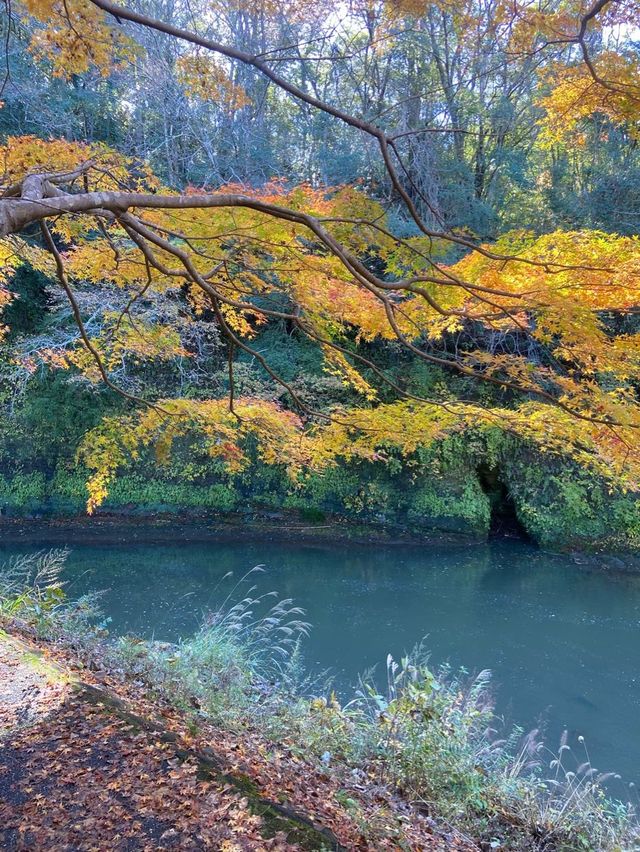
point(327, 261)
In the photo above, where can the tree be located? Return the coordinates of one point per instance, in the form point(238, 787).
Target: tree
point(331, 261)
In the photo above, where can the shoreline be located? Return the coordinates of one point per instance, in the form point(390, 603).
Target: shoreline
point(159, 527)
point(126, 528)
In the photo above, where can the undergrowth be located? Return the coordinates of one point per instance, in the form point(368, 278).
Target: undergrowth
point(428, 733)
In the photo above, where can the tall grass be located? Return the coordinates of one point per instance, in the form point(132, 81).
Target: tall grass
point(430, 734)
point(242, 661)
point(435, 736)
point(566, 803)
point(263, 635)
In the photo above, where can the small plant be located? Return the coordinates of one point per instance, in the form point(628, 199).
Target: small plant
point(32, 589)
point(430, 733)
point(30, 585)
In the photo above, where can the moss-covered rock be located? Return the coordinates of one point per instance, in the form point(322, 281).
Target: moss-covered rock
point(460, 489)
point(563, 507)
point(451, 503)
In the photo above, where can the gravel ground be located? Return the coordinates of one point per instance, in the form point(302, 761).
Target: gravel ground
point(27, 689)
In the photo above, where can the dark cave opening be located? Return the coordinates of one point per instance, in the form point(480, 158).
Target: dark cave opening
point(504, 517)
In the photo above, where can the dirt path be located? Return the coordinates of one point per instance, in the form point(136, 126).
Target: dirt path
point(27, 689)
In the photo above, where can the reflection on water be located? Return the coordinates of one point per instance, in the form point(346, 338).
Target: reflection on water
point(562, 642)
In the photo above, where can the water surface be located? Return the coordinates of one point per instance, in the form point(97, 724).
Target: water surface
point(563, 642)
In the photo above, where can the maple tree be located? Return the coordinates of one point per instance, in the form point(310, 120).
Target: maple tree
point(330, 260)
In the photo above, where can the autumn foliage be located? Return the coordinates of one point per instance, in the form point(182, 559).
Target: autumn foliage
point(331, 262)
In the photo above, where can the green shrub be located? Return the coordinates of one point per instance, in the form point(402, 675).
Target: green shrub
point(563, 506)
point(23, 492)
point(155, 494)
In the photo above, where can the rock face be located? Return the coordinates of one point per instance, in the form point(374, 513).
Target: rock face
point(461, 492)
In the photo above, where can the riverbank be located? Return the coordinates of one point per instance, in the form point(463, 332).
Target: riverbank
point(179, 745)
point(77, 741)
point(446, 499)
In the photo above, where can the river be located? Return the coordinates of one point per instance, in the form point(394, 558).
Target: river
point(562, 641)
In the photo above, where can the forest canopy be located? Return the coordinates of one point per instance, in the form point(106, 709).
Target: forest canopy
point(457, 184)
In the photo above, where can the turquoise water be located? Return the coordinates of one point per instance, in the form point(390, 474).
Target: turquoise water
point(562, 642)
